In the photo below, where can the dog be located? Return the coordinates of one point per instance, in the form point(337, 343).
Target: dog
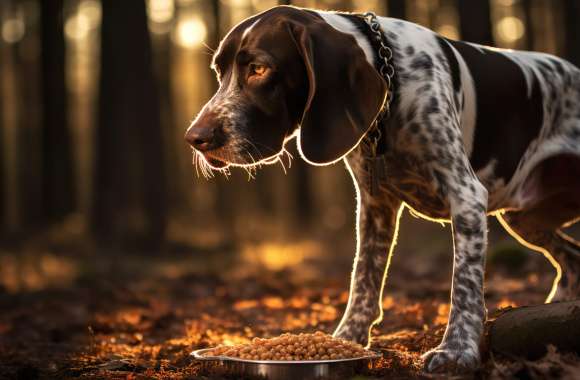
point(471, 131)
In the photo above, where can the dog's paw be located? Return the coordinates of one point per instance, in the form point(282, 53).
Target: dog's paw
point(441, 359)
point(353, 333)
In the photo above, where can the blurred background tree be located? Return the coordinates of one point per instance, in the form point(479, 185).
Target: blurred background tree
point(571, 9)
point(475, 21)
point(58, 197)
point(96, 95)
point(129, 186)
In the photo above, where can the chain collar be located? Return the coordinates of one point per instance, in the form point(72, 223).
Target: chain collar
point(375, 161)
point(387, 71)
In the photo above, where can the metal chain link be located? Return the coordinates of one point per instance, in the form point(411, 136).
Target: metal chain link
point(387, 71)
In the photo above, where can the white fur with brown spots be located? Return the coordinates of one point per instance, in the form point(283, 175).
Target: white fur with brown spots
point(473, 131)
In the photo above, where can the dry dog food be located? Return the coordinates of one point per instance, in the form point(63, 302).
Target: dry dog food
point(317, 346)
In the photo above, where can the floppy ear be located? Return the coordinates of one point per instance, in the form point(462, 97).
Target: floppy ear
point(345, 95)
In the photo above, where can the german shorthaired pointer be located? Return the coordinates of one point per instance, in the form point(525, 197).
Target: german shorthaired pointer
point(472, 131)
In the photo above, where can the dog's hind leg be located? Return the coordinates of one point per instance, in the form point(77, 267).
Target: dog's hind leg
point(538, 226)
point(554, 186)
point(562, 251)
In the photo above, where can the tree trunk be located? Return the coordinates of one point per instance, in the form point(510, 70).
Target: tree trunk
point(571, 12)
point(475, 21)
point(129, 203)
point(28, 147)
point(526, 331)
point(163, 46)
point(529, 37)
point(397, 9)
point(3, 174)
point(58, 195)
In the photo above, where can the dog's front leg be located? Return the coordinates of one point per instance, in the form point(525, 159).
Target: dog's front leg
point(459, 349)
point(377, 221)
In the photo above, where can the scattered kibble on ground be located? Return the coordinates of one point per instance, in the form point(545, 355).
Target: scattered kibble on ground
point(317, 346)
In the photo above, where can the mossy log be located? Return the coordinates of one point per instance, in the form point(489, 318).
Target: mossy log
point(527, 331)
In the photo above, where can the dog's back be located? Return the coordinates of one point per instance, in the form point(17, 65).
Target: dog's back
point(517, 108)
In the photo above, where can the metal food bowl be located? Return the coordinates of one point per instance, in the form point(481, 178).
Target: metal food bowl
point(287, 369)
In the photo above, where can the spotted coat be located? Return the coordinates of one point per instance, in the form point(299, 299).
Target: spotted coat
point(473, 131)
point(467, 129)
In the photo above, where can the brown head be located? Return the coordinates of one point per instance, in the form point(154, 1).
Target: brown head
point(283, 71)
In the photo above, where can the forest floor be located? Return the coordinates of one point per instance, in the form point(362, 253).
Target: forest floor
point(128, 316)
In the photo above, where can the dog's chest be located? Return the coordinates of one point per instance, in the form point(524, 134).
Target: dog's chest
point(407, 179)
point(414, 184)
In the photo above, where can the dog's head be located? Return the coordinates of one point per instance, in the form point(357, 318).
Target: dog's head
point(282, 71)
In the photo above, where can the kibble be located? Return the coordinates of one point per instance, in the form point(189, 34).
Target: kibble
point(317, 346)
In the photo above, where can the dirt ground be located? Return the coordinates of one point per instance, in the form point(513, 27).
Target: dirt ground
point(66, 314)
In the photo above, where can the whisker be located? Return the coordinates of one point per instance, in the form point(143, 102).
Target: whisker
point(203, 168)
point(208, 47)
point(252, 158)
point(262, 145)
point(208, 172)
point(195, 160)
point(282, 163)
point(201, 162)
point(253, 146)
point(290, 157)
point(251, 175)
point(254, 165)
point(250, 168)
point(226, 170)
point(250, 171)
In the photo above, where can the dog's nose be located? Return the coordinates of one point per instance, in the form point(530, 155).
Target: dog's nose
point(201, 138)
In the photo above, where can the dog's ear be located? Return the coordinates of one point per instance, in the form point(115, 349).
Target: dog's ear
point(345, 92)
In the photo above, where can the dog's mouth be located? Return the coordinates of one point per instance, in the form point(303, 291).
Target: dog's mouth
point(213, 160)
point(208, 162)
point(216, 163)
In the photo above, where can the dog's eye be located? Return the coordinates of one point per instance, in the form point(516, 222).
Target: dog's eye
point(257, 69)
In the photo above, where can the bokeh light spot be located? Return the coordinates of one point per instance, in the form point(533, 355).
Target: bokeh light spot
point(13, 30)
point(160, 11)
point(510, 29)
point(77, 27)
point(190, 33)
